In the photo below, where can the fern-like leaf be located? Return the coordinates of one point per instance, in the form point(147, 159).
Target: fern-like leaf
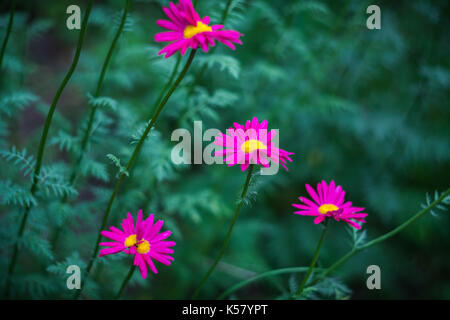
point(116, 162)
point(441, 207)
point(65, 142)
point(91, 167)
point(20, 159)
point(102, 102)
point(16, 101)
point(11, 193)
point(226, 63)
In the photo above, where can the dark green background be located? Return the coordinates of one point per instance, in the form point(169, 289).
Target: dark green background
point(367, 108)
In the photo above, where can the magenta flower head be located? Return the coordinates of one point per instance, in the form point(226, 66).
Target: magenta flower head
point(329, 202)
point(141, 240)
point(250, 144)
point(188, 30)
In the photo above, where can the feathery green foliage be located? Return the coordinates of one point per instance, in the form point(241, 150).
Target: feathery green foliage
point(366, 108)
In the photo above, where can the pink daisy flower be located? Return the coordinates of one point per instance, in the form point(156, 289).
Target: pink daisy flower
point(329, 202)
point(188, 30)
point(142, 240)
point(250, 144)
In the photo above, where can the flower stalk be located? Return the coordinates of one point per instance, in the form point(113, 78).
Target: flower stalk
point(313, 262)
point(339, 262)
point(93, 111)
point(230, 229)
point(43, 141)
point(125, 281)
point(8, 31)
point(101, 78)
point(131, 162)
point(385, 236)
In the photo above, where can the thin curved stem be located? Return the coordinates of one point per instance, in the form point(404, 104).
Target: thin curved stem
point(225, 12)
point(260, 276)
point(93, 111)
point(313, 262)
point(230, 229)
point(131, 162)
point(8, 31)
point(335, 265)
point(157, 101)
point(125, 281)
point(159, 98)
point(43, 141)
point(101, 78)
point(386, 235)
point(169, 82)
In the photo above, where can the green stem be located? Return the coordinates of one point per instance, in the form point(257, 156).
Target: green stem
point(260, 276)
point(172, 76)
point(125, 282)
point(335, 265)
point(339, 262)
point(101, 78)
point(313, 262)
point(92, 113)
point(161, 94)
point(385, 236)
point(130, 163)
point(43, 141)
point(93, 110)
point(225, 12)
point(8, 31)
point(230, 229)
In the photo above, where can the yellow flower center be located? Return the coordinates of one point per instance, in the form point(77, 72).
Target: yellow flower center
point(252, 145)
point(325, 208)
point(191, 31)
point(143, 247)
point(130, 241)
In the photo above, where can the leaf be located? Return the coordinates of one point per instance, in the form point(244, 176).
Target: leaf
point(195, 204)
point(438, 208)
point(222, 98)
point(66, 142)
point(311, 7)
point(130, 22)
point(11, 193)
point(20, 159)
point(16, 101)
point(136, 136)
point(94, 168)
point(116, 162)
point(103, 102)
point(226, 63)
point(37, 245)
point(358, 237)
point(59, 268)
point(52, 182)
point(32, 285)
point(202, 103)
point(59, 189)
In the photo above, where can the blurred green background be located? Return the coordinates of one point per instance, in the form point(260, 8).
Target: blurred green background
point(367, 108)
